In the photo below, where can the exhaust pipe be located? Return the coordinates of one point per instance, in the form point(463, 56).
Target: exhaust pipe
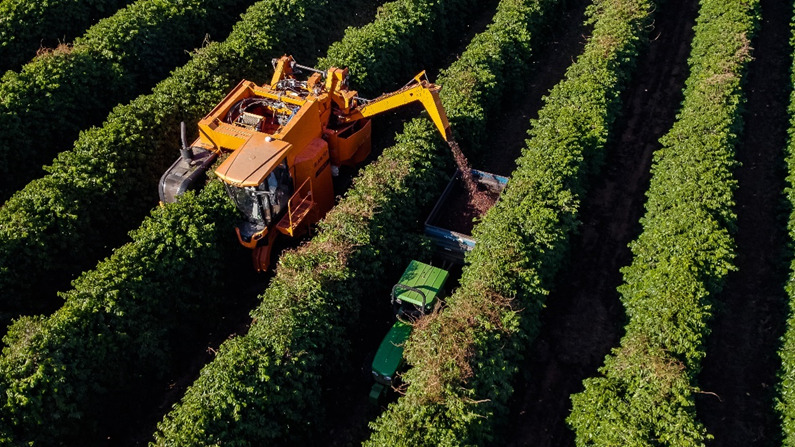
point(184, 151)
point(187, 172)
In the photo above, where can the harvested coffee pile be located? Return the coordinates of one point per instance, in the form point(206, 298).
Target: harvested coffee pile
point(458, 211)
point(478, 199)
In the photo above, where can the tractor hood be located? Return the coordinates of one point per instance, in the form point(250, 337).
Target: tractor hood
point(249, 165)
point(390, 353)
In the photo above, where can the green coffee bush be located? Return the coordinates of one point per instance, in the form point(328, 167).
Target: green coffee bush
point(644, 394)
point(61, 92)
point(28, 25)
point(465, 357)
point(786, 386)
point(120, 326)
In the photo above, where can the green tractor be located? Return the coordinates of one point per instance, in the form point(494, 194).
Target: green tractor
point(413, 296)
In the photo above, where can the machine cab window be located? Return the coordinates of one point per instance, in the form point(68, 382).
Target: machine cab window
point(279, 188)
point(263, 203)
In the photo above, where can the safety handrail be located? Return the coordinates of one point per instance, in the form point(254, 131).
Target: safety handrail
point(412, 289)
point(305, 198)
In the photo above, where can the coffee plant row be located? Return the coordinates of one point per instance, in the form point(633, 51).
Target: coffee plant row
point(466, 356)
point(56, 95)
point(62, 376)
point(155, 289)
point(62, 223)
point(67, 377)
point(268, 386)
point(644, 394)
point(28, 25)
point(786, 386)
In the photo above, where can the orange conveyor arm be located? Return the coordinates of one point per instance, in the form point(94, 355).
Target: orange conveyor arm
point(417, 89)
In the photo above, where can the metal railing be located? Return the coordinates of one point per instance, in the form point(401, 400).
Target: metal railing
point(306, 198)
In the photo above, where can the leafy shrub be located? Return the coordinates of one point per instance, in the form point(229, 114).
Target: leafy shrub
point(786, 386)
point(465, 356)
point(29, 24)
point(60, 92)
point(267, 386)
point(119, 326)
point(644, 395)
point(62, 223)
point(370, 51)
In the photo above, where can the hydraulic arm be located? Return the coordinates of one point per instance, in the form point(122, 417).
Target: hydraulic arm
point(418, 89)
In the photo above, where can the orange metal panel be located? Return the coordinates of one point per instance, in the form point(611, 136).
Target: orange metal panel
point(249, 165)
point(351, 144)
point(313, 162)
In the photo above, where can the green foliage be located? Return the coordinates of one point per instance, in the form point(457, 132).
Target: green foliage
point(464, 357)
point(644, 395)
point(94, 193)
point(370, 51)
point(119, 325)
point(60, 92)
point(93, 381)
point(266, 387)
point(786, 385)
point(27, 25)
point(640, 406)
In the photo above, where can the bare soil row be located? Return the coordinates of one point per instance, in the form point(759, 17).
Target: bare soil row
point(584, 317)
point(739, 374)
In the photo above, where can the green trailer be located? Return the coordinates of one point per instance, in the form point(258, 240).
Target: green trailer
point(414, 295)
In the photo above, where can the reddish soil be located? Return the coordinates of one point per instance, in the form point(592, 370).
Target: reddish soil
point(742, 360)
point(584, 317)
point(562, 46)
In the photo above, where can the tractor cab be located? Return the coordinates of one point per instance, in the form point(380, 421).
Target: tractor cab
point(263, 203)
point(415, 294)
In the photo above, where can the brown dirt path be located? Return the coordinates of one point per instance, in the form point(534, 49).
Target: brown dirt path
point(742, 360)
point(584, 317)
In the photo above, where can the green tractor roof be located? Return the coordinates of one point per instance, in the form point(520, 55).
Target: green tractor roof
point(422, 277)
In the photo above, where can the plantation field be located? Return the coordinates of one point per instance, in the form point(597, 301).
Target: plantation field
point(631, 287)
